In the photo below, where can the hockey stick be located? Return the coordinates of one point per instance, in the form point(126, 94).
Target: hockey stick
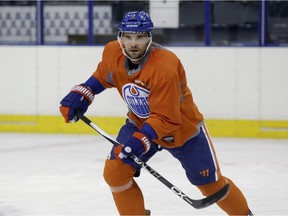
point(198, 204)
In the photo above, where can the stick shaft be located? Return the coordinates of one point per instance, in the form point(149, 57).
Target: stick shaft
point(202, 203)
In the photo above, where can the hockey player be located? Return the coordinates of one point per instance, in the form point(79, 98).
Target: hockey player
point(161, 115)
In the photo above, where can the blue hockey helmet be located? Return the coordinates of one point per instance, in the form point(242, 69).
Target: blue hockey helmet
point(136, 21)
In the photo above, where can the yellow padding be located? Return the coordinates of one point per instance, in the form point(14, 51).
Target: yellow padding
point(217, 127)
point(56, 124)
point(248, 128)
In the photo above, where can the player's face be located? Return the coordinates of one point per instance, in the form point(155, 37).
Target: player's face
point(135, 44)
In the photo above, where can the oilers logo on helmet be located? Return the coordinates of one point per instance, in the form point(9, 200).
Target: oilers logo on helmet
point(136, 98)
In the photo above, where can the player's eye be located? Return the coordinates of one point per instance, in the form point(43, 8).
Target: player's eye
point(138, 39)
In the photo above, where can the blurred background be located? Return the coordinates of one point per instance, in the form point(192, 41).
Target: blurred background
point(234, 52)
point(204, 23)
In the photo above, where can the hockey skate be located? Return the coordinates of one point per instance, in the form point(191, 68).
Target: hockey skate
point(147, 212)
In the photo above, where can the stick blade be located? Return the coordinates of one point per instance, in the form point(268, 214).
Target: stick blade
point(203, 203)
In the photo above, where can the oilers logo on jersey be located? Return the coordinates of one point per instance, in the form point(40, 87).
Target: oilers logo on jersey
point(136, 98)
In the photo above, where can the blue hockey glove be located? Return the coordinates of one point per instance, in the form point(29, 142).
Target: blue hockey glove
point(137, 144)
point(79, 98)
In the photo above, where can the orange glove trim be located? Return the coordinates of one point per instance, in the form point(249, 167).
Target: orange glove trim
point(144, 140)
point(65, 112)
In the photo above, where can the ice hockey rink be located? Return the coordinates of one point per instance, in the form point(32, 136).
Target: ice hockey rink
point(43, 174)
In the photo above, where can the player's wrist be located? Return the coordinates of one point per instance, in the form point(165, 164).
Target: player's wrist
point(95, 85)
point(149, 131)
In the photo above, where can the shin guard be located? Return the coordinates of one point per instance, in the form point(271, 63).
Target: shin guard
point(234, 203)
point(126, 193)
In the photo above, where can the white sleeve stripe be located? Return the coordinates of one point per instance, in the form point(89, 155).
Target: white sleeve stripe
point(86, 92)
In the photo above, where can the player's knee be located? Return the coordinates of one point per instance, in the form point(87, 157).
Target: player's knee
point(118, 175)
point(211, 188)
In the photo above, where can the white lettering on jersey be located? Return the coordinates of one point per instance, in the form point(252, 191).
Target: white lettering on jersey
point(136, 98)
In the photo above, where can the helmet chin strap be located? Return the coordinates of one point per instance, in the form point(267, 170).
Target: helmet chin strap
point(123, 50)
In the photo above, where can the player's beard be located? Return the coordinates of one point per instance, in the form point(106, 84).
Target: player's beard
point(135, 53)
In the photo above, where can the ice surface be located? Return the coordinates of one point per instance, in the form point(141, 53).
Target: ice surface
point(61, 175)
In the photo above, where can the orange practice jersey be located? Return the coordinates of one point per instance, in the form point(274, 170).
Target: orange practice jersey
point(156, 93)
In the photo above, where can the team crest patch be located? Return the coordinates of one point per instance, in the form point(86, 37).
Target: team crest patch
point(136, 98)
